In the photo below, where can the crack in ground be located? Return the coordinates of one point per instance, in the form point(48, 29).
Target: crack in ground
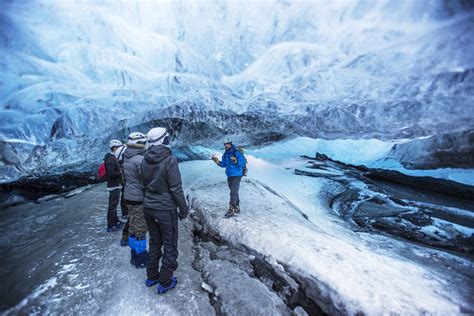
point(290, 289)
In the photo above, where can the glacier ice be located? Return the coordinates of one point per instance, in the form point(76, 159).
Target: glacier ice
point(387, 84)
point(74, 74)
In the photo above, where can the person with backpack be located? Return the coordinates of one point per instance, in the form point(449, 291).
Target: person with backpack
point(163, 196)
point(235, 168)
point(123, 204)
point(133, 196)
point(113, 176)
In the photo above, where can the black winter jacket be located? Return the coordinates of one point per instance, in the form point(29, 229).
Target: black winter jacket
point(114, 175)
point(162, 181)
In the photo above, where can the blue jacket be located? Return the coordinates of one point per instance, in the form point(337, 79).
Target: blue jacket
point(232, 169)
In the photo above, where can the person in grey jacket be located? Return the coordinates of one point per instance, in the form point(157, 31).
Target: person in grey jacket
point(133, 195)
point(163, 196)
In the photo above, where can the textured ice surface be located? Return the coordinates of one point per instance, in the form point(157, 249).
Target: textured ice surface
point(74, 266)
point(73, 74)
point(349, 151)
point(369, 152)
point(58, 259)
point(356, 272)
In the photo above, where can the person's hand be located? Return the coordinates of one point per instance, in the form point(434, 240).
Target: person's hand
point(234, 160)
point(182, 215)
point(216, 160)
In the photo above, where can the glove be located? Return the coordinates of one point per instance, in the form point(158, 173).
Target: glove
point(182, 216)
point(216, 160)
point(234, 160)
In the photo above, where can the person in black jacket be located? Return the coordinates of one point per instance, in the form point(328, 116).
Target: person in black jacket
point(114, 186)
point(163, 196)
point(123, 204)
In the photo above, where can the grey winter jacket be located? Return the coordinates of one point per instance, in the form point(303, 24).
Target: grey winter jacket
point(162, 181)
point(132, 158)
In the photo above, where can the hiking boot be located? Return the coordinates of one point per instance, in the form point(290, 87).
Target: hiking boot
point(230, 212)
point(111, 229)
point(118, 225)
point(150, 283)
point(161, 289)
point(237, 209)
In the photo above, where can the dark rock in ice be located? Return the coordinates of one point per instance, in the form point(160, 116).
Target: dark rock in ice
point(342, 202)
point(32, 188)
point(441, 186)
point(374, 210)
point(437, 185)
point(276, 278)
point(418, 209)
point(326, 174)
point(454, 150)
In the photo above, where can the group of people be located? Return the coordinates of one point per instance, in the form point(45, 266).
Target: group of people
point(143, 175)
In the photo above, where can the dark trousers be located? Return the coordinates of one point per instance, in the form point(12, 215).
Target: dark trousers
point(124, 207)
point(123, 204)
point(234, 186)
point(114, 198)
point(163, 229)
point(125, 230)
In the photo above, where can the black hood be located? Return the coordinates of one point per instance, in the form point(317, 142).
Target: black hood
point(107, 156)
point(157, 154)
point(133, 151)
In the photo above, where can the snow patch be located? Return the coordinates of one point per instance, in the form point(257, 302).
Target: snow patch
point(360, 151)
point(350, 269)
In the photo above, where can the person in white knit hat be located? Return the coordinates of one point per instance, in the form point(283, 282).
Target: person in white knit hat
point(163, 196)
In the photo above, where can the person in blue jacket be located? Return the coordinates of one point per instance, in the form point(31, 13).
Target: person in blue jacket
point(234, 163)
